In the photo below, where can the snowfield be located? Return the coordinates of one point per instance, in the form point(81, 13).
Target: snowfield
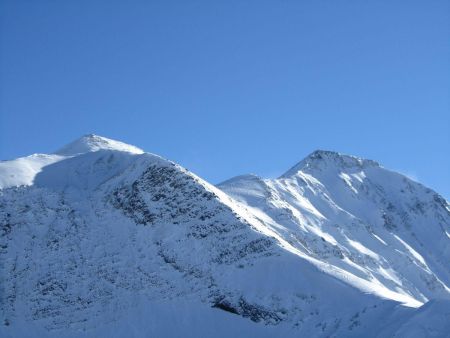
point(102, 239)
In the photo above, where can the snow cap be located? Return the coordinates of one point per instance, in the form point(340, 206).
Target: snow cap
point(90, 143)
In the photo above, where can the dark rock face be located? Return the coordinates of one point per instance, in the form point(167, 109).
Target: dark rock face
point(169, 194)
point(256, 313)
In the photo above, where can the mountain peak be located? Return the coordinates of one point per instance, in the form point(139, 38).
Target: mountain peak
point(91, 142)
point(320, 159)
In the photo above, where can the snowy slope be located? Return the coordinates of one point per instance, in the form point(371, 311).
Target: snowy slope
point(360, 217)
point(22, 171)
point(104, 240)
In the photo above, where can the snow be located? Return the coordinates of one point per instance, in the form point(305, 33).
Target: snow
point(413, 252)
point(103, 240)
point(432, 320)
point(363, 250)
point(91, 143)
point(159, 319)
point(359, 217)
point(378, 237)
point(22, 171)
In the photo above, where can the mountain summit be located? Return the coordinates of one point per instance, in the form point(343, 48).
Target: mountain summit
point(91, 142)
point(102, 239)
point(320, 159)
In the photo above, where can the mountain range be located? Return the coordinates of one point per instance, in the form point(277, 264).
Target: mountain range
point(102, 239)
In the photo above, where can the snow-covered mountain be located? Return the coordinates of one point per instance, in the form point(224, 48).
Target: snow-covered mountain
point(101, 239)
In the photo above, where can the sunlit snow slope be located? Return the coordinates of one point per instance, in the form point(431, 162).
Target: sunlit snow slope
point(355, 215)
point(103, 240)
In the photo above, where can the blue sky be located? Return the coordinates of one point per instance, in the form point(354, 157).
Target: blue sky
point(231, 87)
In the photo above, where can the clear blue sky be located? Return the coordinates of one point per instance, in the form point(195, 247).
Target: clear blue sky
point(231, 87)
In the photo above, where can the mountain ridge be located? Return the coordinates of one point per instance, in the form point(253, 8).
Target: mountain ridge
point(327, 251)
point(322, 157)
